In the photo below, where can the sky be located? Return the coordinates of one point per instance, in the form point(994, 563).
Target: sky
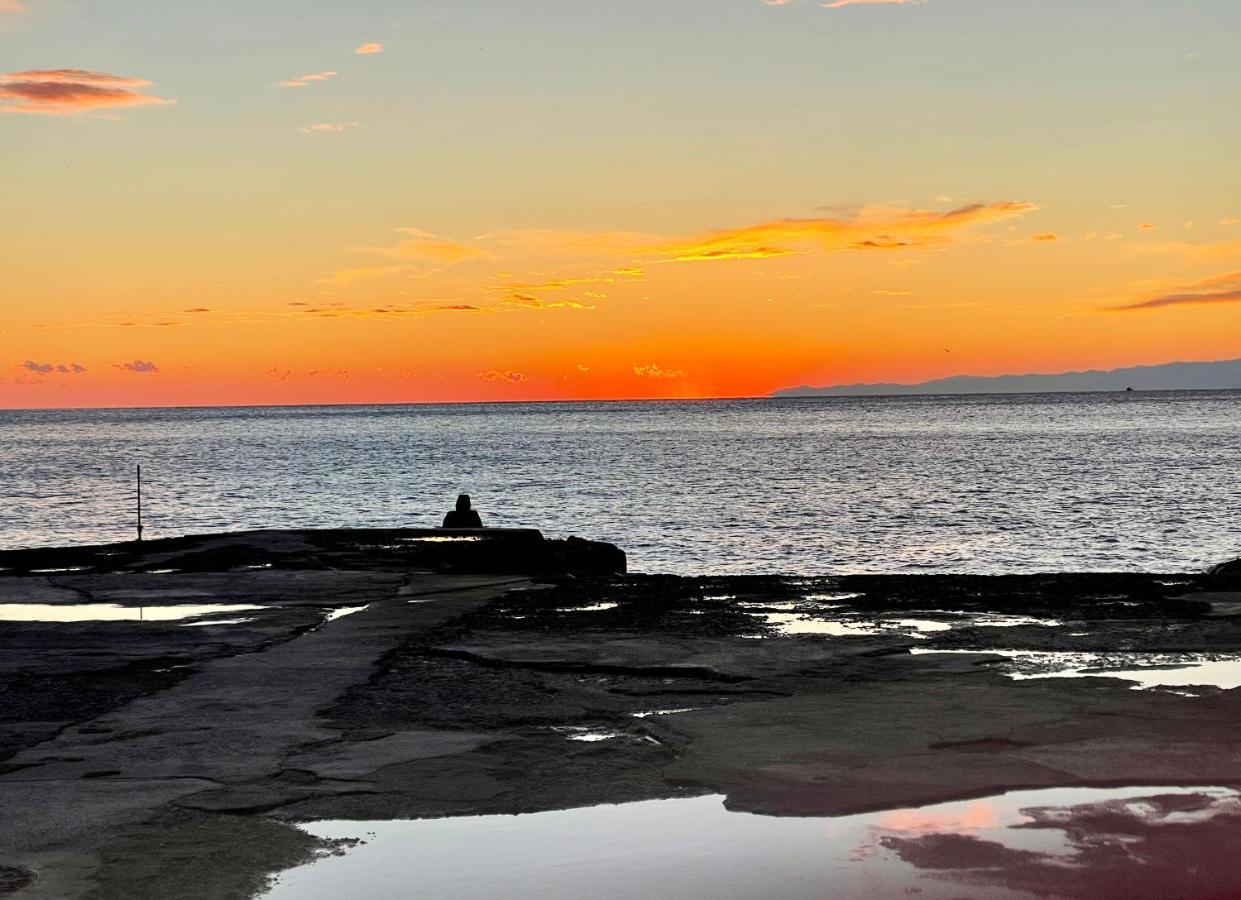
point(302, 201)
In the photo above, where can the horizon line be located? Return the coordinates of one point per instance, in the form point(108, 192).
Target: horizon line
point(618, 400)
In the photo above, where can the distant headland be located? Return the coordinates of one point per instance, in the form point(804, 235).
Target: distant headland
point(1176, 376)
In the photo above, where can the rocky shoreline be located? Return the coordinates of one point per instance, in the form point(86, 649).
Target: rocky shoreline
point(396, 674)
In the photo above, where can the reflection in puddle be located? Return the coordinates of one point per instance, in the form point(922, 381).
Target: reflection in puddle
point(789, 617)
point(594, 607)
point(646, 714)
point(585, 734)
point(204, 624)
point(342, 612)
point(794, 623)
point(1065, 842)
point(443, 539)
point(1149, 670)
point(111, 612)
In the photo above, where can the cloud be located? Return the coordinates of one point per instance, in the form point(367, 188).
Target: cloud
point(68, 92)
point(303, 80)
point(421, 244)
point(197, 309)
point(873, 228)
point(11, 6)
point(140, 366)
point(328, 127)
point(1218, 289)
point(368, 49)
point(47, 368)
point(502, 375)
point(1148, 226)
point(1047, 237)
point(529, 301)
point(654, 371)
point(1229, 220)
point(837, 4)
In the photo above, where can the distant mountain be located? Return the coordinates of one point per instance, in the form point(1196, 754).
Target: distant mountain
point(1177, 376)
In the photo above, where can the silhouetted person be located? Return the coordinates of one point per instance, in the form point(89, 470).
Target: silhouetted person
point(462, 516)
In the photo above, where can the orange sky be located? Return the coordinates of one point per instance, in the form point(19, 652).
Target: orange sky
point(405, 204)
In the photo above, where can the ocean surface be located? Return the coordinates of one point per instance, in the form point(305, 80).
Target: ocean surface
point(1016, 483)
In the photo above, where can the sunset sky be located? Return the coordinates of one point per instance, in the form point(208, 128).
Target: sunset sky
point(380, 201)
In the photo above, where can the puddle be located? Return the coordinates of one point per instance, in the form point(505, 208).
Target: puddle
point(646, 714)
point(111, 612)
point(1132, 842)
point(58, 571)
point(794, 623)
point(342, 612)
point(594, 607)
point(586, 734)
point(999, 620)
point(792, 617)
point(1148, 670)
point(215, 622)
point(443, 539)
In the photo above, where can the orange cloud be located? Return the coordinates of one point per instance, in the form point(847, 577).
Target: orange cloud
point(873, 228)
point(503, 375)
point(303, 80)
point(11, 6)
point(1046, 237)
point(368, 49)
point(425, 245)
point(1229, 220)
point(837, 4)
point(529, 301)
point(1218, 289)
point(67, 92)
point(654, 371)
point(328, 127)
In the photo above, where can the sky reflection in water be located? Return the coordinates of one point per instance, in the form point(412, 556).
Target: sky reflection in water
point(1075, 842)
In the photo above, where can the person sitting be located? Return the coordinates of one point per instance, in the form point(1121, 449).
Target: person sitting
point(463, 516)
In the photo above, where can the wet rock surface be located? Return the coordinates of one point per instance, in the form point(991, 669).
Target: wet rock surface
point(364, 686)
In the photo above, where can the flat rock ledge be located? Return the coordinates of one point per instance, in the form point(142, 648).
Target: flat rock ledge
point(393, 674)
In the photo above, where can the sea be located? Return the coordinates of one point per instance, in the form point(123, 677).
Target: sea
point(983, 483)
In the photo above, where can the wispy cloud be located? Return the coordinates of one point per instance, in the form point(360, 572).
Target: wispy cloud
point(139, 366)
point(48, 368)
point(528, 301)
point(304, 80)
point(67, 92)
point(1217, 289)
point(419, 244)
point(368, 49)
point(328, 127)
point(837, 4)
point(11, 6)
point(1047, 237)
point(654, 371)
point(504, 376)
point(873, 228)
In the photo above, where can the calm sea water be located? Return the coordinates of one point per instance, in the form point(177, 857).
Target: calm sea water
point(920, 484)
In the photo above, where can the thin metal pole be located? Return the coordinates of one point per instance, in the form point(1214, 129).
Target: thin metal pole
point(139, 501)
